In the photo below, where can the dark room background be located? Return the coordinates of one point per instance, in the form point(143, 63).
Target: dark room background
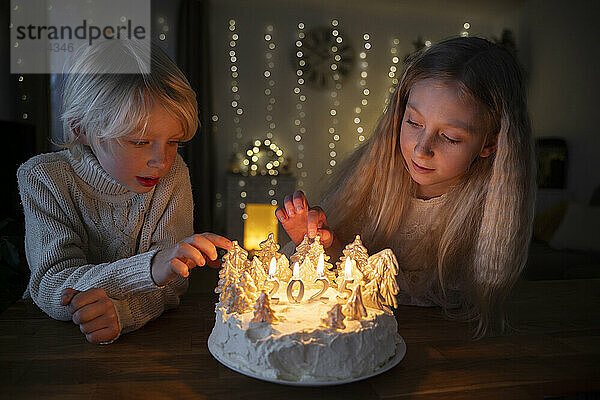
point(242, 58)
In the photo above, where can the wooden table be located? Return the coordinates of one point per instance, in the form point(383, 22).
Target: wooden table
point(555, 351)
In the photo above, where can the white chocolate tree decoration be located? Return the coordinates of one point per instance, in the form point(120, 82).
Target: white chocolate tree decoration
point(225, 279)
point(237, 257)
point(385, 270)
point(335, 318)
point(284, 272)
point(370, 283)
point(358, 253)
point(372, 296)
point(262, 309)
point(301, 251)
point(308, 273)
point(258, 273)
point(355, 308)
point(231, 295)
point(236, 300)
point(316, 249)
point(268, 250)
point(247, 285)
point(307, 255)
point(228, 276)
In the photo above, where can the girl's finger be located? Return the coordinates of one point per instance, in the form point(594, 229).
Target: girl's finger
point(315, 220)
point(289, 206)
point(299, 201)
point(281, 214)
point(326, 236)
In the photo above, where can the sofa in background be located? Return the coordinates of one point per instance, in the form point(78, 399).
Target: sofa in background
point(566, 242)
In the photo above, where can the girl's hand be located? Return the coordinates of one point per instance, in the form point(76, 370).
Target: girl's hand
point(298, 219)
point(94, 312)
point(199, 249)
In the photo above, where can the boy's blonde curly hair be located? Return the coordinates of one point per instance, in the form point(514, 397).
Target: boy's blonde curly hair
point(103, 99)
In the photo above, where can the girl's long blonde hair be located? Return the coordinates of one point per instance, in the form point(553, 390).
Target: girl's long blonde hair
point(484, 227)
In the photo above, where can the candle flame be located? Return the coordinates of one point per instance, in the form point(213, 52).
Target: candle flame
point(296, 271)
point(348, 268)
point(321, 265)
point(272, 268)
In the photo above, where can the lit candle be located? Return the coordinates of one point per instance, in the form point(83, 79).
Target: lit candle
point(320, 266)
point(273, 279)
point(320, 278)
point(343, 289)
point(290, 288)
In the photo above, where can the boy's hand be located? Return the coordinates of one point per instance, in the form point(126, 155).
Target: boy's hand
point(199, 249)
point(298, 219)
point(94, 312)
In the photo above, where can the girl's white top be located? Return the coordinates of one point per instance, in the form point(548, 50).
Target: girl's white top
point(84, 230)
point(419, 221)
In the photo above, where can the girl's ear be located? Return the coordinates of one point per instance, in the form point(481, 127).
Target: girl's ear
point(490, 147)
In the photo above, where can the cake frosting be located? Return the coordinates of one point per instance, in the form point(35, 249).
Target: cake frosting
point(299, 348)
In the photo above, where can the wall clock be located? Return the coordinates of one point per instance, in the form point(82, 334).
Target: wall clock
point(320, 50)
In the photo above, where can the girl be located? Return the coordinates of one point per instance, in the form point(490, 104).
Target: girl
point(446, 181)
point(109, 236)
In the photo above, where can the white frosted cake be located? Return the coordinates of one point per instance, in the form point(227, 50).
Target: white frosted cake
point(333, 337)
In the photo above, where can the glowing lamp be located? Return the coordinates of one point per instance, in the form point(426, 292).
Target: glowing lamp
point(260, 222)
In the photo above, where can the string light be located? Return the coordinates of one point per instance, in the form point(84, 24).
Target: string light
point(269, 82)
point(269, 91)
point(393, 70)
point(466, 27)
point(300, 100)
point(237, 109)
point(22, 96)
point(262, 158)
point(218, 203)
point(236, 106)
point(214, 128)
point(364, 90)
point(163, 27)
point(334, 100)
point(242, 204)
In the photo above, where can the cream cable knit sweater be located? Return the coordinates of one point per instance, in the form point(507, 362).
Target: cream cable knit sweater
point(84, 230)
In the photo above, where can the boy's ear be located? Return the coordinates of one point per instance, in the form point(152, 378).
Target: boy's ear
point(490, 147)
point(80, 136)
